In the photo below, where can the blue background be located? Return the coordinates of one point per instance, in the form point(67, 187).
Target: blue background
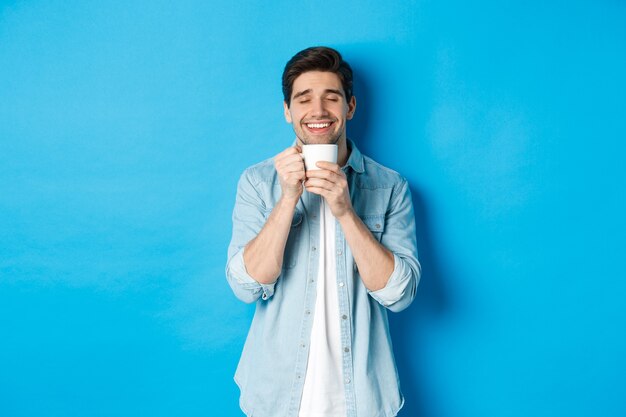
point(124, 127)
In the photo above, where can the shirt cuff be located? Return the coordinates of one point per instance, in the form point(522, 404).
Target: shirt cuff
point(245, 281)
point(396, 287)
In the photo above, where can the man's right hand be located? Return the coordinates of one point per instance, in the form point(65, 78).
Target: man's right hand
point(263, 255)
point(290, 167)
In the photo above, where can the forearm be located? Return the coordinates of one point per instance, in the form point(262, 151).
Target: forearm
point(374, 261)
point(263, 255)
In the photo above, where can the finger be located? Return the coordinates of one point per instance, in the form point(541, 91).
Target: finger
point(289, 165)
point(296, 157)
point(324, 172)
point(318, 191)
point(299, 175)
point(289, 158)
point(289, 151)
point(293, 171)
point(319, 183)
point(327, 175)
point(321, 173)
point(293, 180)
point(329, 166)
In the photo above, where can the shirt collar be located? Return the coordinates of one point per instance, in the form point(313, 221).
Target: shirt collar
point(355, 161)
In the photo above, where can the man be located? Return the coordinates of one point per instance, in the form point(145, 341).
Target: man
point(324, 254)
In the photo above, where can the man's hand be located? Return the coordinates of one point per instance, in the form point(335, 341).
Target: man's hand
point(330, 182)
point(290, 167)
point(375, 262)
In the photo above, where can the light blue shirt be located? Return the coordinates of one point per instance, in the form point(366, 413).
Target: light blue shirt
point(273, 363)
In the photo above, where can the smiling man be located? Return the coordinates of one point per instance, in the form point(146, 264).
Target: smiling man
point(324, 254)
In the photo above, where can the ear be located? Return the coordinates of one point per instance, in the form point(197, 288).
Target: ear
point(351, 108)
point(287, 112)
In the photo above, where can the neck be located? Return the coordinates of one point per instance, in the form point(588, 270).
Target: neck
point(343, 153)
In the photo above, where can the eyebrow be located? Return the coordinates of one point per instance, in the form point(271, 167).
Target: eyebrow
point(301, 93)
point(308, 90)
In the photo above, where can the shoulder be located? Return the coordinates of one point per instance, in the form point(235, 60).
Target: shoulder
point(377, 175)
point(262, 172)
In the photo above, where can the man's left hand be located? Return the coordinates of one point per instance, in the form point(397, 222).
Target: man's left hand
point(330, 182)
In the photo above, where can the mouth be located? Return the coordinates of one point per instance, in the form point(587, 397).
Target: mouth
point(318, 127)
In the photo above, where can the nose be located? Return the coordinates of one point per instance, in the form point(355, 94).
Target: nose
point(318, 108)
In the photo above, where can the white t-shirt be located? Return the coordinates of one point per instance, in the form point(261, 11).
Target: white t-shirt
point(323, 394)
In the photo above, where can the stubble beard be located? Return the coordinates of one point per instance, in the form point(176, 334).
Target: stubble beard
point(333, 138)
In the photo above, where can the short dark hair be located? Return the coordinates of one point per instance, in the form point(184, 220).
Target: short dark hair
point(317, 58)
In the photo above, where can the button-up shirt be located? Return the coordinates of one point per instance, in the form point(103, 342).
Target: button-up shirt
point(271, 370)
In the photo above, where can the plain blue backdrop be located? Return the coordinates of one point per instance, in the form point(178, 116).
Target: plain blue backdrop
point(124, 127)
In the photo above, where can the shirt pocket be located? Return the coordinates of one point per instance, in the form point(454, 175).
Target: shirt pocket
point(376, 224)
point(290, 257)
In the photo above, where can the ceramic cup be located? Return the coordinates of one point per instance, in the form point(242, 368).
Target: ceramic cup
point(315, 153)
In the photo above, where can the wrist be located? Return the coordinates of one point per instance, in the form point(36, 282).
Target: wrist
point(289, 201)
point(347, 215)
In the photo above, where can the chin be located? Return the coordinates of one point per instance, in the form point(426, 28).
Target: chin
point(320, 140)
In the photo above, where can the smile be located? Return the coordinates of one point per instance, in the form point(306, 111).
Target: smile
point(317, 125)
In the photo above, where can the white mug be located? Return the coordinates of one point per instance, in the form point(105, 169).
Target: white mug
point(312, 154)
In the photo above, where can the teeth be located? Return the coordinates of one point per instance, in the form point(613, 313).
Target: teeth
point(318, 125)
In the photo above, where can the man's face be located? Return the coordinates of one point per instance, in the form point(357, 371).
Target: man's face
point(319, 109)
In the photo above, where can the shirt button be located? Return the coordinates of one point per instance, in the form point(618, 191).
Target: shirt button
point(344, 317)
point(339, 252)
point(313, 248)
point(303, 345)
point(377, 225)
point(341, 284)
point(308, 312)
point(347, 380)
point(312, 280)
point(346, 350)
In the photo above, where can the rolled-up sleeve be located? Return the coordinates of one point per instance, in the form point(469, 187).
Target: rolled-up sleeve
point(399, 238)
point(243, 285)
point(248, 220)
